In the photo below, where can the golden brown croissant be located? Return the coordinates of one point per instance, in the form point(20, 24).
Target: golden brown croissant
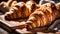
point(17, 10)
point(5, 6)
point(43, 16)
point(31, 5)
point(9, 3)
point(58, 6)
point(21, 10)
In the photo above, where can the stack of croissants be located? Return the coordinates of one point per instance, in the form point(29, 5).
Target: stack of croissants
point(37, 14)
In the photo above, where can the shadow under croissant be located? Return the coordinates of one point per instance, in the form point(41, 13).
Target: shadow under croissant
point(55, 26)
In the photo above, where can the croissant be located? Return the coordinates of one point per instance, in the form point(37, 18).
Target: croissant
point(21, 10)
point(31, 5)
point(5, 6)
point(58, 6)
point(9, 3)
point(42, 16)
